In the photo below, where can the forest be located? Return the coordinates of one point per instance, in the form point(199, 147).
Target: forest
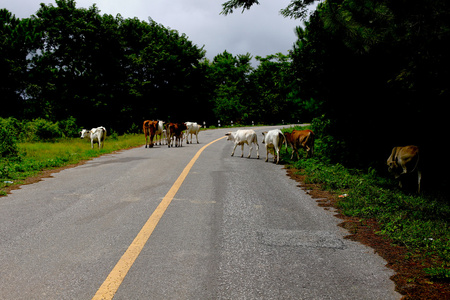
point(369, 75)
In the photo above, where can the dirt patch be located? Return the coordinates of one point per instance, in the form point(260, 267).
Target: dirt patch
point(410, 279)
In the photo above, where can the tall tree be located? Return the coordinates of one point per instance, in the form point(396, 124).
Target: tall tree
point(17, 39)
point(229, 76)
point(272, 81)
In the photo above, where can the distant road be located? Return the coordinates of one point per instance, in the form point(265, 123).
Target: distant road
point(174, 223)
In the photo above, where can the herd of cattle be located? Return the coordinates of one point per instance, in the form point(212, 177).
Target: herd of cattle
point(402, 161)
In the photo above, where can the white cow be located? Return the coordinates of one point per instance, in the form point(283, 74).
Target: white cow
point(241, 137)
point(274, 141)
point(160, 132)
point(192, 128)
point(97, 135)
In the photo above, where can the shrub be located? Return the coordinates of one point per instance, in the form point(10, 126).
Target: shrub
point(69, 127)
point(44, 130)
point(8, 146)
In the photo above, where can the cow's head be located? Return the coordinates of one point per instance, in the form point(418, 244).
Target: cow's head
point(83, 133)
point(264, 136)
point(393, 168)
point(229, 136)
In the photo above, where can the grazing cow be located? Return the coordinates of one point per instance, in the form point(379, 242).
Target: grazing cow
point(192, 128)
point(301, 139)
point(404, 160)
point(175, 133)
point(97, 135)
point(273, 140)
point(160, 132)
point(242, 137)
point(150, 128)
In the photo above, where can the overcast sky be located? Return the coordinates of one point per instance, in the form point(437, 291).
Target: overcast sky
point(258, 31)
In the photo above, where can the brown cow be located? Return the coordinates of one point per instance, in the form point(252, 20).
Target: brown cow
point(175, 131)
point(150, 128)
point(301, 139)
point(404, 160)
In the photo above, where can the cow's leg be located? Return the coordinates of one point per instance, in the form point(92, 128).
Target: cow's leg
point(419, 179)
point(196, 135)
point(277, 151)
point(92, 144)
point(234, 148)
point(267, 154)
point(151, 141)
point(242, 150)
point(257, 150)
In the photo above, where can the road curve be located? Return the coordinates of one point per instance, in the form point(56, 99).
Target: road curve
point(234, 228)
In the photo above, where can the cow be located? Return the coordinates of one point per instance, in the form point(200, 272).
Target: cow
point(403, 161)
point(301, 139)
point(175, 134)
point(241, 137)
point(150, 128)
point(273, 140)
point(160, 133)
point(192, 128)
point(97, 135)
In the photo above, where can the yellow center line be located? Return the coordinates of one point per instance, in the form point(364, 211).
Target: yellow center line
point(110, 286)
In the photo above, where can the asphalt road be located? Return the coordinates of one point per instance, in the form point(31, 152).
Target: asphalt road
point(236, 228)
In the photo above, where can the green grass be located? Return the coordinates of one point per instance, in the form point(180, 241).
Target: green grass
point(36, 157)
point(421, 223)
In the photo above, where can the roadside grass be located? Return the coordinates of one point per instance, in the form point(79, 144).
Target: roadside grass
point(36, 157)
point(421, 223)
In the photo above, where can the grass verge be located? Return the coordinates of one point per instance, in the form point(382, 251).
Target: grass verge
point(36, 157)
point(419, 224)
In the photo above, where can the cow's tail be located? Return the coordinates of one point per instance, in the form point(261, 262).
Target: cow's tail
point(417, 163)
point(283, 139)
point(104, 134)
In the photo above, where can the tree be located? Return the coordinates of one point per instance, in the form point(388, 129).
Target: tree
point(272, 83)
point(17, 38)
point(297, 9)
point(229, 76)
point(101, 70)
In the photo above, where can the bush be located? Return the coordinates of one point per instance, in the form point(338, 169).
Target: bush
point(69, 127)
point(8, 147)
point(44, 130)
point(12, 124)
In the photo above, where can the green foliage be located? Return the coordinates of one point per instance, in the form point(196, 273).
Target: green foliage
point(296, 9)
point(8, 146)
point(439, 274)
point(419, 222)
point(44, 130)
point(228, 76)
point(378, 71)
point(67, 62)
point(68, 127)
